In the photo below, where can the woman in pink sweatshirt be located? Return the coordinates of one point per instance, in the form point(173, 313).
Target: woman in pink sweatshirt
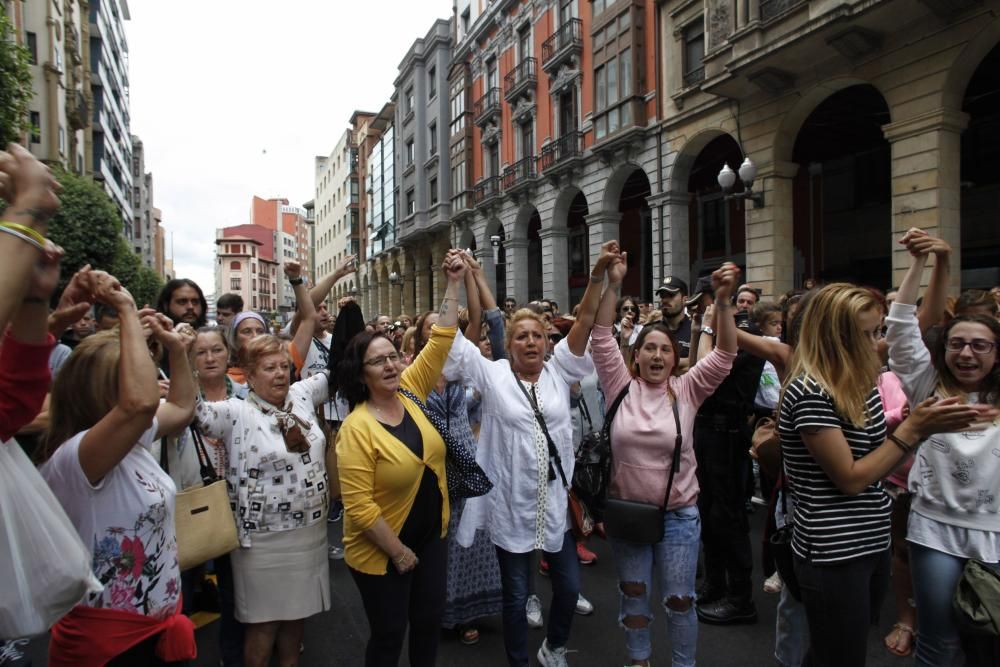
point(643, 438)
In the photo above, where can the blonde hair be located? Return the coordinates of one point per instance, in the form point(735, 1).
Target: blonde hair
point(519, 316)
point(258, 348)
point(406, 347)
point(84, 391)
point(834, 352)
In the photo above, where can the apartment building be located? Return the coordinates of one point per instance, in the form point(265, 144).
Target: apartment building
point(380, 209)
point(246, 263)
point(290, 227)
point(145, 216)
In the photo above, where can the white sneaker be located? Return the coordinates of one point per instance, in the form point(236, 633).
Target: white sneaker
point(773, 584)
point(336, 553)
point(552, 657)
point(584, 606)
point(533, 610)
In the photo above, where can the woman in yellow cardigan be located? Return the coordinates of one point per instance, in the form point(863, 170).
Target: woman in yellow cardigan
point(392, 476)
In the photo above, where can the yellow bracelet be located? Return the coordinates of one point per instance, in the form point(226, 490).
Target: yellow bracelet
point(24, 229)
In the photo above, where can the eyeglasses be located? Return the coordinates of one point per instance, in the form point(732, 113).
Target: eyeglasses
point(380, 360)
point(631, 308)
point(978, 345)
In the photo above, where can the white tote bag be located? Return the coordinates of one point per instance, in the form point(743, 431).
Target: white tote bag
point(44, 565)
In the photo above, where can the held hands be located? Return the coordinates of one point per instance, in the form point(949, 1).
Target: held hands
point(162, 330)
point(348, 265)
point(45, 277)
point(724, 281)
point(454, 265)
point(471, 262)
point(108, 290)
point(919, 243)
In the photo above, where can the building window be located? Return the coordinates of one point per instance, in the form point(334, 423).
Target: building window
point(598, 6)
point(434, 191)
point(36, 127)
point(408, 104)
point(411, 202)
point(432, 89)
point(32, 43)
point(466, 15)
point(457, 107)
point(434, 138)
point(694, 53)
point(409, 152)
point(234, 284)
point(235, 266)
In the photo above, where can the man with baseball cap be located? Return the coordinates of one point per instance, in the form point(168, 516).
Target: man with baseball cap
point(672, 294)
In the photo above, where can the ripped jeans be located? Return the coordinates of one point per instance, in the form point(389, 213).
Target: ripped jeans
point(675, 560)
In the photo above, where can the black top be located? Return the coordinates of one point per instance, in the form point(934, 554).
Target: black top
point(423, 523)
point(830, 526)
point(735, 396)
point(683, 337)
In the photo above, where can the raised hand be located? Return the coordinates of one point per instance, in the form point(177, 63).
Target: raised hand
point(29, 186)
point(471, 261)
point(293, 270)
point(46, 274)
point(610, 252)
point(454, 266)
point(724, 281)
point(347, 265)
point(618, 268)
point(108, 290)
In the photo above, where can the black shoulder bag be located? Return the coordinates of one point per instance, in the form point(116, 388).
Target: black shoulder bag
point(642, 523)
point(593, 458)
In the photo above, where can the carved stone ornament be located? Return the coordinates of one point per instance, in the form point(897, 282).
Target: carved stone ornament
point(524, 110)
point(565, 78)
point(491, 134)
point(719, 23)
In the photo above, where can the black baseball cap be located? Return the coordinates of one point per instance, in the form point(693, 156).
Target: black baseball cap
point(703, 286)
point(672, 285)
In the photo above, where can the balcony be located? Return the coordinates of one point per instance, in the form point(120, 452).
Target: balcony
point(462, 203)
point(772, 8)
point(519, 176)
point(487, 190)
point(521, 79)
point(487, 107)
point(562, 45)
point(562, 155)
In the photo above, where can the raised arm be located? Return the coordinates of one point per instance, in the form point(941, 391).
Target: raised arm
point(174, 414)
point(724, 281)
point(305, 311)
point(920, 246)
point(778, 353)
point(472, 298)
point(580, 331)
point(322, 288)
point(111, 439)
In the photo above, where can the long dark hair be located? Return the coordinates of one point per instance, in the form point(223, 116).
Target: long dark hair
point(167, 293)
point(352, 367)
point(990, 391)
point(349, 323)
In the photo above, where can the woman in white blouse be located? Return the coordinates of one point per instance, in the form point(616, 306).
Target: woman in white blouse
point(527, 509)
point(277, 480)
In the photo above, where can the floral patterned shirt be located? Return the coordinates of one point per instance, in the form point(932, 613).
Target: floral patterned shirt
point(127, 521)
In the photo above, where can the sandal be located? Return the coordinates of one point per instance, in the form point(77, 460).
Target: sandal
point(468, 635)
point(900, 635)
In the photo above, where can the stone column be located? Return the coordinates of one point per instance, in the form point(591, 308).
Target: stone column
point(926, 184)
point(421, 276)
point(602, 226)
point(671, 256)
point(485, 258)
point(770, 252)
point(555, 264)
point(517, 269)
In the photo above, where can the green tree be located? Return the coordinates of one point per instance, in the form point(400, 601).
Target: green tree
point(15, 84)
point(87, 225)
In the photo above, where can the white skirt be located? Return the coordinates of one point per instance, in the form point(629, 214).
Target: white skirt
point(283, 576)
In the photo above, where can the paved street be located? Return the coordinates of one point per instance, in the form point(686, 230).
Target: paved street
point(337, 637)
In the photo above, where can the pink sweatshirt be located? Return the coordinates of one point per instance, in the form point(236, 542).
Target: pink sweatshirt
point(893, 405)
point(643, 430)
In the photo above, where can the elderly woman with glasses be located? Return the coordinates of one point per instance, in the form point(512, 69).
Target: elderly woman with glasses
point(391, 460)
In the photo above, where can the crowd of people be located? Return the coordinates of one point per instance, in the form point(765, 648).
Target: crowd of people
point(449, 442)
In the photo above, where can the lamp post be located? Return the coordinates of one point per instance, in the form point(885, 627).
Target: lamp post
point(495, 243)
point(396, 280)
point(747, 173)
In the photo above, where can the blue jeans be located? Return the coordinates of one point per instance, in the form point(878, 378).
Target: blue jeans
point(935, 576)
point(675, 560)
point(791, 631)
point(516, 571)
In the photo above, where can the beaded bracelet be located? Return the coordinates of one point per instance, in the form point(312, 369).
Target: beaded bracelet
point(24, 237)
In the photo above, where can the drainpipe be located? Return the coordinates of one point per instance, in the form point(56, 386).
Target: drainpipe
point(659, 133)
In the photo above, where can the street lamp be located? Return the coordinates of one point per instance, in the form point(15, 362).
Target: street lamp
point(747, 173)
point(495, 242)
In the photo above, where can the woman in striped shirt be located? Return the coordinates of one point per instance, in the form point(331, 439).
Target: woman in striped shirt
point(835, 449)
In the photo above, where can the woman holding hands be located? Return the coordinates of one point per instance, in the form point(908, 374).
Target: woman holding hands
point(391, 461)
point(644, 435)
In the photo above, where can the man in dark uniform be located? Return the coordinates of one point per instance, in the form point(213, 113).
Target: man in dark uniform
point(672, 294)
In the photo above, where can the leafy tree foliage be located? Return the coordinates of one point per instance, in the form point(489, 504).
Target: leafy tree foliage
point(15, 84)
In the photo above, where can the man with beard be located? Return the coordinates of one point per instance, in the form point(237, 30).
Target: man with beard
point(183, 301)
point(673, 293)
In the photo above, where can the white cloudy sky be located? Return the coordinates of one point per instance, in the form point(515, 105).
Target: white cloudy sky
point(234, 98)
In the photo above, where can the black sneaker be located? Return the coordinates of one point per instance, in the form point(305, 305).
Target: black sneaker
point(727, 611)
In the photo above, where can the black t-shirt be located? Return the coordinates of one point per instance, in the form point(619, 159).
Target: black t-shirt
point(683, 337)
point(423, 523)
point(735, 396)
point(830, 526)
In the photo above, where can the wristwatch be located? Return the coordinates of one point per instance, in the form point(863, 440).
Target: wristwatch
point(708, 330)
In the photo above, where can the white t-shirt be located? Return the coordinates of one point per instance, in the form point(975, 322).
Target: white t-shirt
point(316, 362)
point(127, 521)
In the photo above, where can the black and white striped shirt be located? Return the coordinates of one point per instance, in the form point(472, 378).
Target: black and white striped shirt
point(830, 526)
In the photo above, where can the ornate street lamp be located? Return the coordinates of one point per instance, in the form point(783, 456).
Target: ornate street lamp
point(747, 173)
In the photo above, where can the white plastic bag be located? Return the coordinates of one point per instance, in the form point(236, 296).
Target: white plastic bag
point(44, 566)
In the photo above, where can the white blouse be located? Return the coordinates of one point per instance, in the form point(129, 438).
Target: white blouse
point(525, 510)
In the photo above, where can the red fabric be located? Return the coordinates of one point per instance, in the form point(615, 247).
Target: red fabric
point(24, 381)
point(89, 637)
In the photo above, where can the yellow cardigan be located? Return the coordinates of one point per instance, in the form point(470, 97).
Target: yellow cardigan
point(379, 475)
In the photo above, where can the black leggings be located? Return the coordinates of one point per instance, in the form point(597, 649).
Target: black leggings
point(394, 600)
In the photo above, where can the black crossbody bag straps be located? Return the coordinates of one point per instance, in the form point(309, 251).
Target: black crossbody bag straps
point(553, 452)
point(585, 411)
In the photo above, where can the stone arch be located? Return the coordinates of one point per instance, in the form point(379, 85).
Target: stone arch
point(467, 239)
point(680, 171)
point(615, 184)
point(522, 220)
point(792, 120)
point(561, 207)
point(966, 63)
